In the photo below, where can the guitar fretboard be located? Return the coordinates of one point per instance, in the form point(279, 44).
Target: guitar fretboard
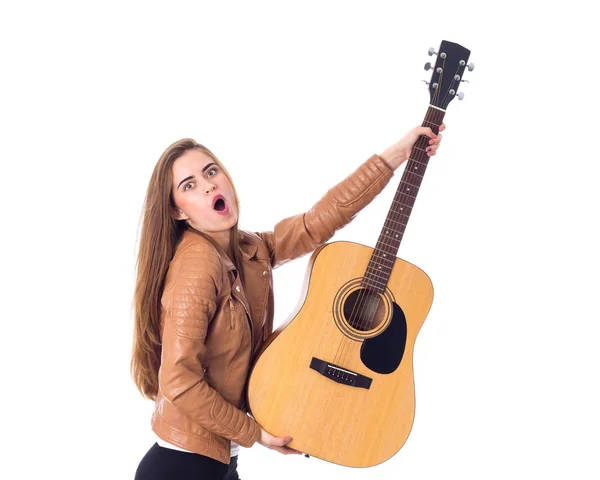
point(383, 257)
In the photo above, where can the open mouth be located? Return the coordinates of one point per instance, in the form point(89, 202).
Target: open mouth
point(219, 205)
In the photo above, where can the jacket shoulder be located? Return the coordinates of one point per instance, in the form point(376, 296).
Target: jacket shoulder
point(194, 242)
point(195, 253)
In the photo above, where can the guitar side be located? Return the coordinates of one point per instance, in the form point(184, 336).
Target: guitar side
point(289, 393)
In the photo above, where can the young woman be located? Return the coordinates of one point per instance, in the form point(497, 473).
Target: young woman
point(204, 301)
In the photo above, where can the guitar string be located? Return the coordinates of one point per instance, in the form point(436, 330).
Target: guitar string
point(453, 80)
point(369, 298)
point(369, 316)
point(369, 301)
point(374, 302)
point(367, 313)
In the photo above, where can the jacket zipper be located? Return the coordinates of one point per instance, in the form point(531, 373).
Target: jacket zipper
point(248, 321)
point(231, 313)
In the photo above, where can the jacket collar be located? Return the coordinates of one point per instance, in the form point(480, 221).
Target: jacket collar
point(247, 248)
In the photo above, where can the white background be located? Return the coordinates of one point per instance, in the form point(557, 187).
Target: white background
point(293, 97)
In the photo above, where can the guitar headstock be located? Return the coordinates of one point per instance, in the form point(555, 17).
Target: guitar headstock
point(447, 73)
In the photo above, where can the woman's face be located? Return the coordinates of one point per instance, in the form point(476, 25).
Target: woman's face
point(197, 184)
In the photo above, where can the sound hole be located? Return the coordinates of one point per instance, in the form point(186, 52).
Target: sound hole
point(364, 310)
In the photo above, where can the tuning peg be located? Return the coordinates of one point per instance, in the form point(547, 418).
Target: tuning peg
point(461, 95)
point(428, 66)
point(431, 52)
point(470, 66)
point(425, 82)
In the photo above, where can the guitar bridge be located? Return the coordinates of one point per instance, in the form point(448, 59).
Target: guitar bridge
point(340, 375)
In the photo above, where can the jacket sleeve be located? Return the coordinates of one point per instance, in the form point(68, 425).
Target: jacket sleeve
point(190, 300)
point(300, 234)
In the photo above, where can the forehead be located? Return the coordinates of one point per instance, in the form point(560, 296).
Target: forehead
point(190, 163)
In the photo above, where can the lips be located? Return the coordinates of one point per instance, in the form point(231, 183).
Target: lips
point(217, 197)
point(220, 205)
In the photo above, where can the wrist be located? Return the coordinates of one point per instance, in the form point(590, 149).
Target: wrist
point(393, 158)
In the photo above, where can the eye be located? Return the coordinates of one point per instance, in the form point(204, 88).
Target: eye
point(213, 169)
point(185, 187)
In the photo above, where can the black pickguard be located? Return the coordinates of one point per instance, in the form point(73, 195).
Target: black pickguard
point(383, 353)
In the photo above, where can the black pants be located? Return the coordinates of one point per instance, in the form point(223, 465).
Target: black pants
point(161, 463)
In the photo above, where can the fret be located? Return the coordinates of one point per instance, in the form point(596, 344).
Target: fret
point(408, 175)
point(395, 237)
point(416, 161)
point(389, 245)
point(404, 202)
point(396, 217)
point(386, 249)
point(386, 269)
point(387, 264)
point(382, 280)
point(403, 208)
point(431, 123)
point(405, 182)
point(407, 189)
point(382, 284)
point(391, 260)
point(387, 259)
point(383, 257)
point(403, 205)
point(408, 194)
point(414, 173)
point(395, 247)
point(373, 277)
point(376, 270)
point(396, 221)
point(374, 288)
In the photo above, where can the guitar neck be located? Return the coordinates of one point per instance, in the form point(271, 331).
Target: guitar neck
point(384, 255)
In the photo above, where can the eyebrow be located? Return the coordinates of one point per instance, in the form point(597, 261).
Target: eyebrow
point(192, 176)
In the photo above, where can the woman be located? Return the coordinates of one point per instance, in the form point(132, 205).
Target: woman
point(204, 301)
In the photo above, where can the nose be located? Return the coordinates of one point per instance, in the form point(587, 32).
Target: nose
point(209, 188)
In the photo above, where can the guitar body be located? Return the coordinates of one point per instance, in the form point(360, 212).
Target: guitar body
point(338, 375)
point(344, 389)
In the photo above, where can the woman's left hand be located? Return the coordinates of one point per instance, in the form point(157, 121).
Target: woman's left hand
point(398, 153)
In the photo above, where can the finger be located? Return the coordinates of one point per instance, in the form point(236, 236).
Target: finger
point(437, 140)
point(293, 451)
point(426, 131)
point(280, 441)
point(286, 450)
point(442, 127)
point(278, 449)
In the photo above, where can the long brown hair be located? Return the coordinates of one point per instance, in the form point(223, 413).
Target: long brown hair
point(160, 236)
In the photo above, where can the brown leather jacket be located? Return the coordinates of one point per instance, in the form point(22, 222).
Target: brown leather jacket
point(212, 325)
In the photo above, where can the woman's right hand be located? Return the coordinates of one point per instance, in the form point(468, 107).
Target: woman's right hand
point(277, 443)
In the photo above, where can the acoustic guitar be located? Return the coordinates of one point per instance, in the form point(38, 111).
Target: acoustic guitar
point(338, 375)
